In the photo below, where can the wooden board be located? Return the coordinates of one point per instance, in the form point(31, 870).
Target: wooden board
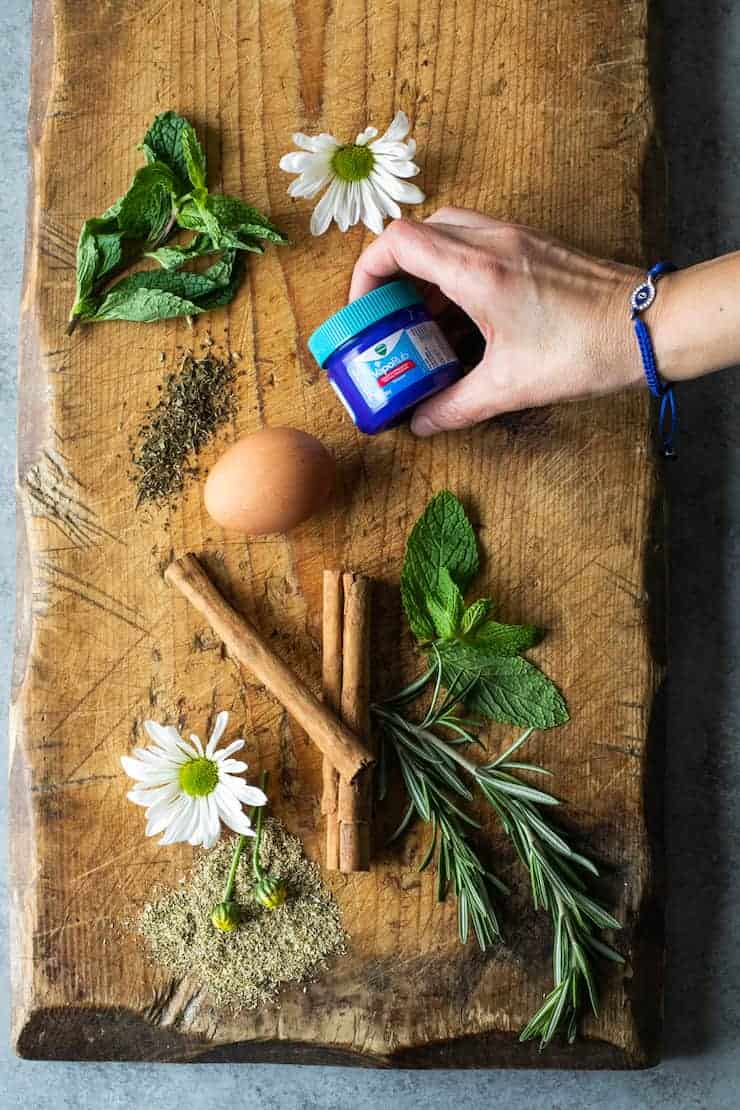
point(537, 111)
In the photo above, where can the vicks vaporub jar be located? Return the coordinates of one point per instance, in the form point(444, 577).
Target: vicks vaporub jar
point(383, 354)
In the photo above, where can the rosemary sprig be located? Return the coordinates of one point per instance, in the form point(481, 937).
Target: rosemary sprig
point(431, 762)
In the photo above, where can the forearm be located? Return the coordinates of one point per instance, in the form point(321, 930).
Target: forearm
point(695, 320)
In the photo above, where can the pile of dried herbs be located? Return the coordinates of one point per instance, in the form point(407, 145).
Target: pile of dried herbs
point(196, 399)
point(245, 969)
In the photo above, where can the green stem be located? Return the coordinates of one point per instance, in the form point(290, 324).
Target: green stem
point(242, 840)
point(256, 867)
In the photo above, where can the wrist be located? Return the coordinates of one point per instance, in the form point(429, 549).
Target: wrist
point(620, 364)
point(694, 320)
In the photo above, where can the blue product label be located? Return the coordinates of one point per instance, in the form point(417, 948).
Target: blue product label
point(399, 360)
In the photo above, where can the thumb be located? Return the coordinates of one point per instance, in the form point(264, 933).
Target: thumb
point(461, 405)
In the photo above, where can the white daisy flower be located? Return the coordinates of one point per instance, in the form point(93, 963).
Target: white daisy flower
point(366, 178)
point(188, 790)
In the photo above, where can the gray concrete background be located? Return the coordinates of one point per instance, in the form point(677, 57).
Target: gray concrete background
point(700, 71)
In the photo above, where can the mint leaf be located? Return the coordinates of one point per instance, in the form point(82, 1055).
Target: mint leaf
point(160, 294)
point(445, 606)
point(182, 283)
point(475, 614)
point(236, 216)
point(87, 263)
point(492, 638)
point(143, 305)
point(98, 252)
point(110, 252)
point(239, 225)
point(441, 538)
point(508, 689)
point(163, 143)
point(195, 159)
point(171, 258)
point(226, 275)
point(147, 206)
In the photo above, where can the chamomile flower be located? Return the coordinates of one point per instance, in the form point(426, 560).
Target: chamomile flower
point(366, 179)
point(189, 790)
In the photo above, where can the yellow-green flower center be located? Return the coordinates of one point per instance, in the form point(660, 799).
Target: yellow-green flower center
point(352, 163)
point(198, 777)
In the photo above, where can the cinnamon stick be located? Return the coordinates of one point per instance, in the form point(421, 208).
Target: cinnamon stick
point(354, 799)
point(333, 628)
point(342, 747)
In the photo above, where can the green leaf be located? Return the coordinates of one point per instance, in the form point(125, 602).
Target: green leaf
point(160, 294)
point(182, 283)
point(87, 262)
point(475, 614)
point(98, 252)
point(163, 143)
point(508, 689)
point(195, 159)
point(234, 215)
point(234, 223)
point(109, 252)
point(445, 606)
point(493, 638)
point(143, 305)
point(147, 206)
point(441, 538)
point(227, 275)
point(172, 258)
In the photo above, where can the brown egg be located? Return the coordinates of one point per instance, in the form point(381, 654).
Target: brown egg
point(269, 482)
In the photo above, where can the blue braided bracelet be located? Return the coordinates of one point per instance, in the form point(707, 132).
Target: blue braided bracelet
point(642, 297)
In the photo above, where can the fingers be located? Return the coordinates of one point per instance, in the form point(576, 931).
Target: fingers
point(465, 403)
point(404, 246)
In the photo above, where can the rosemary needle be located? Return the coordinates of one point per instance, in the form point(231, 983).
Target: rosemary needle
point(431, 762)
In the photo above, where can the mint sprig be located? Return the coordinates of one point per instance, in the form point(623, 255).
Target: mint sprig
point(168, 194)
point(477, 653)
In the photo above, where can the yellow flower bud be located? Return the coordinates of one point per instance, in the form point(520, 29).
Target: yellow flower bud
point(270, 892)
point(226, 916)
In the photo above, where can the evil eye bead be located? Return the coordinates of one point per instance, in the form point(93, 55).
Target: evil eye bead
point(643, 296)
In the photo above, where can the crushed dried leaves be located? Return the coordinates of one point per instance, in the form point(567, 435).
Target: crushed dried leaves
point(245, 969)
point(197, 398)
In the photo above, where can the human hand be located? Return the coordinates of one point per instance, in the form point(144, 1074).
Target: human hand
point(555, 321)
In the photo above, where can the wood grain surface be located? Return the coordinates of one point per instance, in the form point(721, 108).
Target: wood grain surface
point(536, 110)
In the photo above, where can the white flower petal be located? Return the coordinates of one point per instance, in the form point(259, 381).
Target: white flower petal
point(197, 744)
point(136, 769)
point(234, 746)
point(315, 143)
point(400, 151)
point(149, 796)
point(402, 191)
point(365, 136)
point(219, 728)
point(398, 129)
point(396, 166)
point(239, 822)
point(232, 766)
point(324, 210)
point(157, 822)
point(386, 204)
point(371, 213)
point(309, 186)
point(253, 796)
point(179, 821)
point(296, 161)
point(214, 824)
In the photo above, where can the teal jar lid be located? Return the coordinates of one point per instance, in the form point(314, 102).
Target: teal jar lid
point(360, 314)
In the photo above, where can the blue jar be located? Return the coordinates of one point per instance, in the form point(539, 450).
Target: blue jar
point(383, 354)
